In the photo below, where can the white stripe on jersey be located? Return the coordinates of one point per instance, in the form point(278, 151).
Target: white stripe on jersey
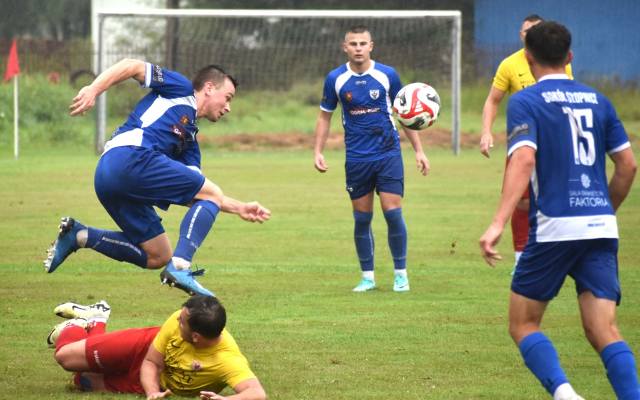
point(521, 144)
point(147, 75)
point(160, 106)
point(619, 148)
point(341, 80)
point(575, 228)
point(128, 138)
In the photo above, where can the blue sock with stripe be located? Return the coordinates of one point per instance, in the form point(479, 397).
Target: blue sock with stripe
point(363, 238)
point(115, 245)
point(621, 370)
point(542, 359)
point(195, 226)
point(397, 236)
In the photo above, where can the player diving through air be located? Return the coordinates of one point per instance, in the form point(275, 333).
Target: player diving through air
point(153, 159)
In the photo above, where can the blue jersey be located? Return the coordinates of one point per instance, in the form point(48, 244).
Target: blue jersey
point(369, 130)
point(164, 120)
point(572, 127)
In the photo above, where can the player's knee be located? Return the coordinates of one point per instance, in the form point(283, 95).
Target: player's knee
point(155, 261)
point(601, 336)
point(64, 358)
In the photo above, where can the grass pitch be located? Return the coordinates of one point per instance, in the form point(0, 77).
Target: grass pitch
point(287, 284)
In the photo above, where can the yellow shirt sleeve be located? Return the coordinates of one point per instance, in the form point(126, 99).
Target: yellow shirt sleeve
point(502, 78)
point(165, 333)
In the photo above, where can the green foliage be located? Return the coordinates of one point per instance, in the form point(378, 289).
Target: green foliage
point(287, 283)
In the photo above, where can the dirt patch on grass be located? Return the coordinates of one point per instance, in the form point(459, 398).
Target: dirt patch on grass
point(432, 137)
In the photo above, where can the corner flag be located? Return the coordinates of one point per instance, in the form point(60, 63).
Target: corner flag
point(12, 71)
point(13, 65)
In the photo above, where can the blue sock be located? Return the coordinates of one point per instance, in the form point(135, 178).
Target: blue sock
point(115, 245)
point(397, 236)
point(541, 358)
point(621, 370)
point(363, 238)
point(195, 226)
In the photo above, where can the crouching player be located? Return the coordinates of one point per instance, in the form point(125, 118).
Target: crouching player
point(190, 354)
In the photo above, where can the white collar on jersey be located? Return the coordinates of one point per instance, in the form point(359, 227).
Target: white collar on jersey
point(554, 76)
point(373, 63)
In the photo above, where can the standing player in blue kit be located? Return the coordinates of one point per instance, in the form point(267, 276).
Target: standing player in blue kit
point(366, 90)
point(559, 134)
point(153, 159)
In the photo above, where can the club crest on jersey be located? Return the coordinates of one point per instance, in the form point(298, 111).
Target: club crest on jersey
point(374, 93)
point(348, 96)
point(156, 74)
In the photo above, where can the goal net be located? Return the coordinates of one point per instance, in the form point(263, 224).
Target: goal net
point(275, 50)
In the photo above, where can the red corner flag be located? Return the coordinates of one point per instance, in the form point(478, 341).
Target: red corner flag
point(13, 66)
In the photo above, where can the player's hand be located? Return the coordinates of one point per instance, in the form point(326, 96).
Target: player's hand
point(159, 395)
point(84, 101)
point(320, 164)
point(422, 162)
point(486, 143)
point(210, 396)
point(488, 241)
point(254, 212)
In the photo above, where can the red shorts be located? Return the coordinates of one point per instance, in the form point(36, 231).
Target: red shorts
point(118, 356)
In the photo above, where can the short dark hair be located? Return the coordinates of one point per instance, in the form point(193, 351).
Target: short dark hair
point(211, 73)
point(360, 29)
point(206, 316)
point(533, 18)
point(549, 43)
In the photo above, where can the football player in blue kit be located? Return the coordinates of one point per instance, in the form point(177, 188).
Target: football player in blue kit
point(366, 89)
point(559, 134)
point(153, 159)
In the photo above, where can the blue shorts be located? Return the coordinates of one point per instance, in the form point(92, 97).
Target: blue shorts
point(384, 175)
point(593, 265)
point(130, 181)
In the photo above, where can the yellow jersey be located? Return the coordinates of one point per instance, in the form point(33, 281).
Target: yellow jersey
point(188, 370)
point(513, 73)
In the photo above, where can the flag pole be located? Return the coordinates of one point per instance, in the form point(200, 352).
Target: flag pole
point(15, 117)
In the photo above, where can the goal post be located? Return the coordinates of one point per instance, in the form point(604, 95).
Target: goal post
point(275, 49)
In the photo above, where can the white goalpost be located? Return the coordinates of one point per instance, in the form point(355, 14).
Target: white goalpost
point(274, 49)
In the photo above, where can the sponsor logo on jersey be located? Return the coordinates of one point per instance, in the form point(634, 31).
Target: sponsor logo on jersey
point(348, 96)
point(361, 82)
point(374, 93)
point(586, 182)
point(184, 120)
point(364, 111)
point(156, 74)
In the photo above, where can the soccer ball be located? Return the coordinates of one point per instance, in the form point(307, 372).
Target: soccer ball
point(417, 106)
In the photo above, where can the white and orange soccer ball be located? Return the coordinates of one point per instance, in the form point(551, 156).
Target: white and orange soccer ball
point(417, 106)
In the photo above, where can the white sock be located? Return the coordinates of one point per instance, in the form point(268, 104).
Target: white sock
point(517, 255)
point(180, 263)
point(81, 237)
point(368, 275)
point(564, 391)
point(400, 272)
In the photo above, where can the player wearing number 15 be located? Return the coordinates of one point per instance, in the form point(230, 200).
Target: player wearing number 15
point(559, 132)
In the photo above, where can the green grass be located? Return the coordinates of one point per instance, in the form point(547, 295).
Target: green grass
point(287, 283)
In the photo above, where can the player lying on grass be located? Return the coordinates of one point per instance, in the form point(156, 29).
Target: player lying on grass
point(190, 354)
point(153, 159)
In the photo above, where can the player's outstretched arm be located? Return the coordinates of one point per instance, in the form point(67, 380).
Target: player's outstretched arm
point(249, 389)
point(623, 175)
point(516, 179)
point(422, 162)
point(489, 112)
point(120, 71)
point(252, 211)
point(322, 134)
